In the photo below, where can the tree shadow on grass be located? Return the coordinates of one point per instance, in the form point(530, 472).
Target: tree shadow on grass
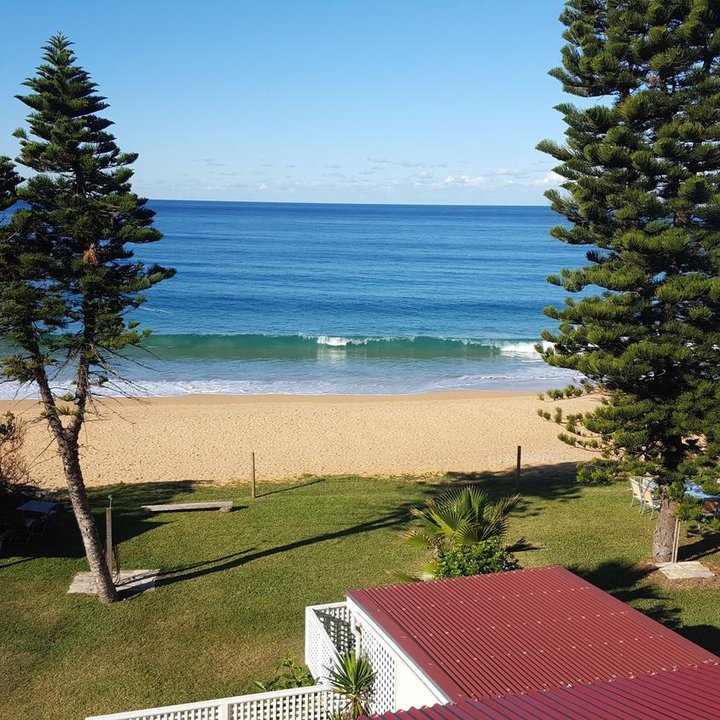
point(706, 543)
point(555, 482)
point(185, 572)
point(313, 480)
point(15, 562)
point(394, 518)
point(707, 636)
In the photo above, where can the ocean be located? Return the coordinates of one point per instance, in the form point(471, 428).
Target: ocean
point(347, 299)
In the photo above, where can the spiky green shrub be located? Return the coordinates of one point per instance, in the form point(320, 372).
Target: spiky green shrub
point(354, 678)
point(459, 517)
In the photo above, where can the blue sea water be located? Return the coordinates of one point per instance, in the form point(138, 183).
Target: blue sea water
point(307, 298)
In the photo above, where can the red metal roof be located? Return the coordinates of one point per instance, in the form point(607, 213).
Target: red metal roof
point(522, 631)
point(690, 694)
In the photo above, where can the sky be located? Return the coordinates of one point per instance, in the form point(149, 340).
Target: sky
point(363, 101)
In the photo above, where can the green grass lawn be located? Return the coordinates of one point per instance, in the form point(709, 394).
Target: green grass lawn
point(230, 600)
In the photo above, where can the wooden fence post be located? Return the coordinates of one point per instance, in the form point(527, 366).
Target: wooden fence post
point(676, 541)
point(252, 484)
point(517, 467)
point(109, 538)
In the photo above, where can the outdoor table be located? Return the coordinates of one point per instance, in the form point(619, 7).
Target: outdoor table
point(37, 513)
point(693, 490)
point(39, 507)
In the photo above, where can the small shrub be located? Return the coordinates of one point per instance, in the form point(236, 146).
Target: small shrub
point(290, 674)
point(486, 556)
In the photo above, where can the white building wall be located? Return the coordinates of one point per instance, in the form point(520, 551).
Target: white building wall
point(411, 690)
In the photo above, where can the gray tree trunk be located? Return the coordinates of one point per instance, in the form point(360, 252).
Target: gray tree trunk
point(86, 523)
point(664, 535)
point(67, 440)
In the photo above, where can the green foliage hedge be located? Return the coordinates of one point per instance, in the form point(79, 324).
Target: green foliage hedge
point(486, 556)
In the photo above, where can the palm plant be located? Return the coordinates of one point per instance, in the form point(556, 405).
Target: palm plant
point(459, 517)
point(353, 678)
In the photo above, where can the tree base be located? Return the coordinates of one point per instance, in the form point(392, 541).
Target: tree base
point(664, 535)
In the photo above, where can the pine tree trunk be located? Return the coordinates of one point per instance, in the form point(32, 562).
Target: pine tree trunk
point(106, 591)
point(664, 535)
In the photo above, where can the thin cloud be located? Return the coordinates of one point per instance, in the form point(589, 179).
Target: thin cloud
point(506, 171)
point(474, 181)
point(547, 179)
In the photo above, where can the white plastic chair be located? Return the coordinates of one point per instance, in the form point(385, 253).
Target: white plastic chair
point(648, 499)
point(636, 492)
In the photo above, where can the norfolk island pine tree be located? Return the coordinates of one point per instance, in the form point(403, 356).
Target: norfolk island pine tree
point(67, 275)
point(641, 175)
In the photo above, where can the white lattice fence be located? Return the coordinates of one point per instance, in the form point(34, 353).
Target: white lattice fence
point(336, 621)
point(383, 663)
point(309, 703)
point(327, 632)
point(316, 704)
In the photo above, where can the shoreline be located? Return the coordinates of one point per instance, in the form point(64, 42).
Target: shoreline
point(209, 437)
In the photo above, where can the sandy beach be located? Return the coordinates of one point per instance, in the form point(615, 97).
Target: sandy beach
point(210, 438)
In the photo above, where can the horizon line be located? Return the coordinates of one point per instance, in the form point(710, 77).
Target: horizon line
point(362, 204)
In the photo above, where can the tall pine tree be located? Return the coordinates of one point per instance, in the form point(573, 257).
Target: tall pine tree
point(67, 274)
point(642, 190)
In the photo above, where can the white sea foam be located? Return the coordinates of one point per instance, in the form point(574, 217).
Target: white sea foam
point(522, 348)
point(333, 341)
point(157, 311)
point(340, 341)
point(396, 382)
point(507, 347)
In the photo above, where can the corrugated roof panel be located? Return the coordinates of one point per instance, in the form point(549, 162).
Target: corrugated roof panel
point(687, 694)
point(521, 631)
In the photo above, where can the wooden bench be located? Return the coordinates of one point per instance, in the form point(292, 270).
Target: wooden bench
point(223, 506)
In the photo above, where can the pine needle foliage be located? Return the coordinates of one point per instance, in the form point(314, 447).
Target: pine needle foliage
point(9, 180)
point(641, 171)
point(68, 280)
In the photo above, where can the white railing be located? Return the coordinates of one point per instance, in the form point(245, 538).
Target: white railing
point(328, 631)
point(317, 702)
